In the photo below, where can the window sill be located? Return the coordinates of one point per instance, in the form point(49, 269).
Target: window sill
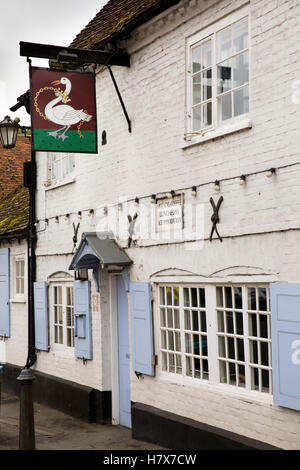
point(243, 394)
point(22, 300)
point(217, 133)
point(59, 184)
point(62, 351)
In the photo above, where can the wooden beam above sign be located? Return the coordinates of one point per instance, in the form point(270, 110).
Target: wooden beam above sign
point(72, 55)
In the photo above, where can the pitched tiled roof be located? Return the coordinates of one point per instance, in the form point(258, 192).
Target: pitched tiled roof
point(11, 165)
point(14, 212)
point(117, 17)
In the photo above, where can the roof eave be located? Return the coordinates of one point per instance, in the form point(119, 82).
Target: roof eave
point(138, 21)
point(18, 234)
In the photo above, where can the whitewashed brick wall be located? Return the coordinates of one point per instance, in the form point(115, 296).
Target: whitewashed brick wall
point(151, 160)
point(14, 349)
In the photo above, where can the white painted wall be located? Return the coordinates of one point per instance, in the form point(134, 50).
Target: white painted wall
point(259, 222)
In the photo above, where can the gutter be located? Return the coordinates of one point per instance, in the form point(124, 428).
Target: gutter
point(18, 235)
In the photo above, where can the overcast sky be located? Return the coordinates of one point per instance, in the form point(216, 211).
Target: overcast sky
point(54, 22)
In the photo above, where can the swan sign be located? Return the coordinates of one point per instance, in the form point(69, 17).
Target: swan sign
point(63, 111)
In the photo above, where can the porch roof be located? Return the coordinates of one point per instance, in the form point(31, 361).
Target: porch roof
point(98, 247)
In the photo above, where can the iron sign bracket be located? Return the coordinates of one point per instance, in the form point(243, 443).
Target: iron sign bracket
point(120, 98)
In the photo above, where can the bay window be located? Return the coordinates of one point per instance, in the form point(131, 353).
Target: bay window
point(219, 334)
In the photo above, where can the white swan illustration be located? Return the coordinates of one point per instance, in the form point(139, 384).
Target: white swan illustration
point(63, 114)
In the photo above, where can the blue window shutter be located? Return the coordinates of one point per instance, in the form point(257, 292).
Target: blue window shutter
point(4, 293)
point(285, 328)
point(142, 328)
point(83, 320)
point(41, 320)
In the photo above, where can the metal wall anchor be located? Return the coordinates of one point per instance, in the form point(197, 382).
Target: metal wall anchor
point(215, 217)
point(131, 227)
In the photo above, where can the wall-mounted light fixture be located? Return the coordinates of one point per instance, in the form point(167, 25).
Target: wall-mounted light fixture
point(217, 185)
point(171, 194)
point(270, 172)
point(79, 215)
point(153, 198)
point(194, 191)
point(81, 274)
point(91, 212)
point(57, 219)
point(242, 180)
point(105, 210)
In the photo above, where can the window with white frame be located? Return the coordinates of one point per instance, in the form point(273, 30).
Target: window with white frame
point(183, 331)
point(218, 75)
point(63, 315)
point(217, 333)
point(60, 166)
point(19, 277)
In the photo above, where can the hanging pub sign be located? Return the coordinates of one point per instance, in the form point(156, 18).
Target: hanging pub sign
point(63, 111)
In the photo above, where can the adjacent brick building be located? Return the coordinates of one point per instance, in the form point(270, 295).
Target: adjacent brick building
point(11, 165)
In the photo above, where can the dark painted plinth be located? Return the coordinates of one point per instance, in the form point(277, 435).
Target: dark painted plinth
point(77, 400)
point(175, 432)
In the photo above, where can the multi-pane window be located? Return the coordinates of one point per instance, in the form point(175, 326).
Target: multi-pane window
point(195, 332)
point(219, 76)
point(61, 166)
point(258, 311)
point(63, 318)
point(202, 85)
point(231, 335)
point(70, 317)
point(19, 277)
point(218, 333)
point(232, 63)
point(183, 331)
point(244, 344)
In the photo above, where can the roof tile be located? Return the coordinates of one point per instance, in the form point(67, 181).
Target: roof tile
point(112, 18)
point(14, 211)
point(11, 165)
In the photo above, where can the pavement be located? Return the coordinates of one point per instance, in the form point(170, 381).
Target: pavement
point(55, 430)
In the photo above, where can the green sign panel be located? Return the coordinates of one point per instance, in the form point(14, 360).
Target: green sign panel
point(63, 111)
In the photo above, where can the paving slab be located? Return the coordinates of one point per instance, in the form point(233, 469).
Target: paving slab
point(55, 430)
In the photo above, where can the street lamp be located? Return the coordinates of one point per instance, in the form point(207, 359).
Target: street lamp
point(8, 135)
point(8, 132)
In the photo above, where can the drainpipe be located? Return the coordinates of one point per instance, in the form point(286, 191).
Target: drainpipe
point(1, 380)
point(31, 356)
point(26, 377)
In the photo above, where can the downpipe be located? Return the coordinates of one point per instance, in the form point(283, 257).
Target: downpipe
point(26, 377)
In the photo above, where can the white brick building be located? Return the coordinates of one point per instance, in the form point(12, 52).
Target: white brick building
point(237, 63)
